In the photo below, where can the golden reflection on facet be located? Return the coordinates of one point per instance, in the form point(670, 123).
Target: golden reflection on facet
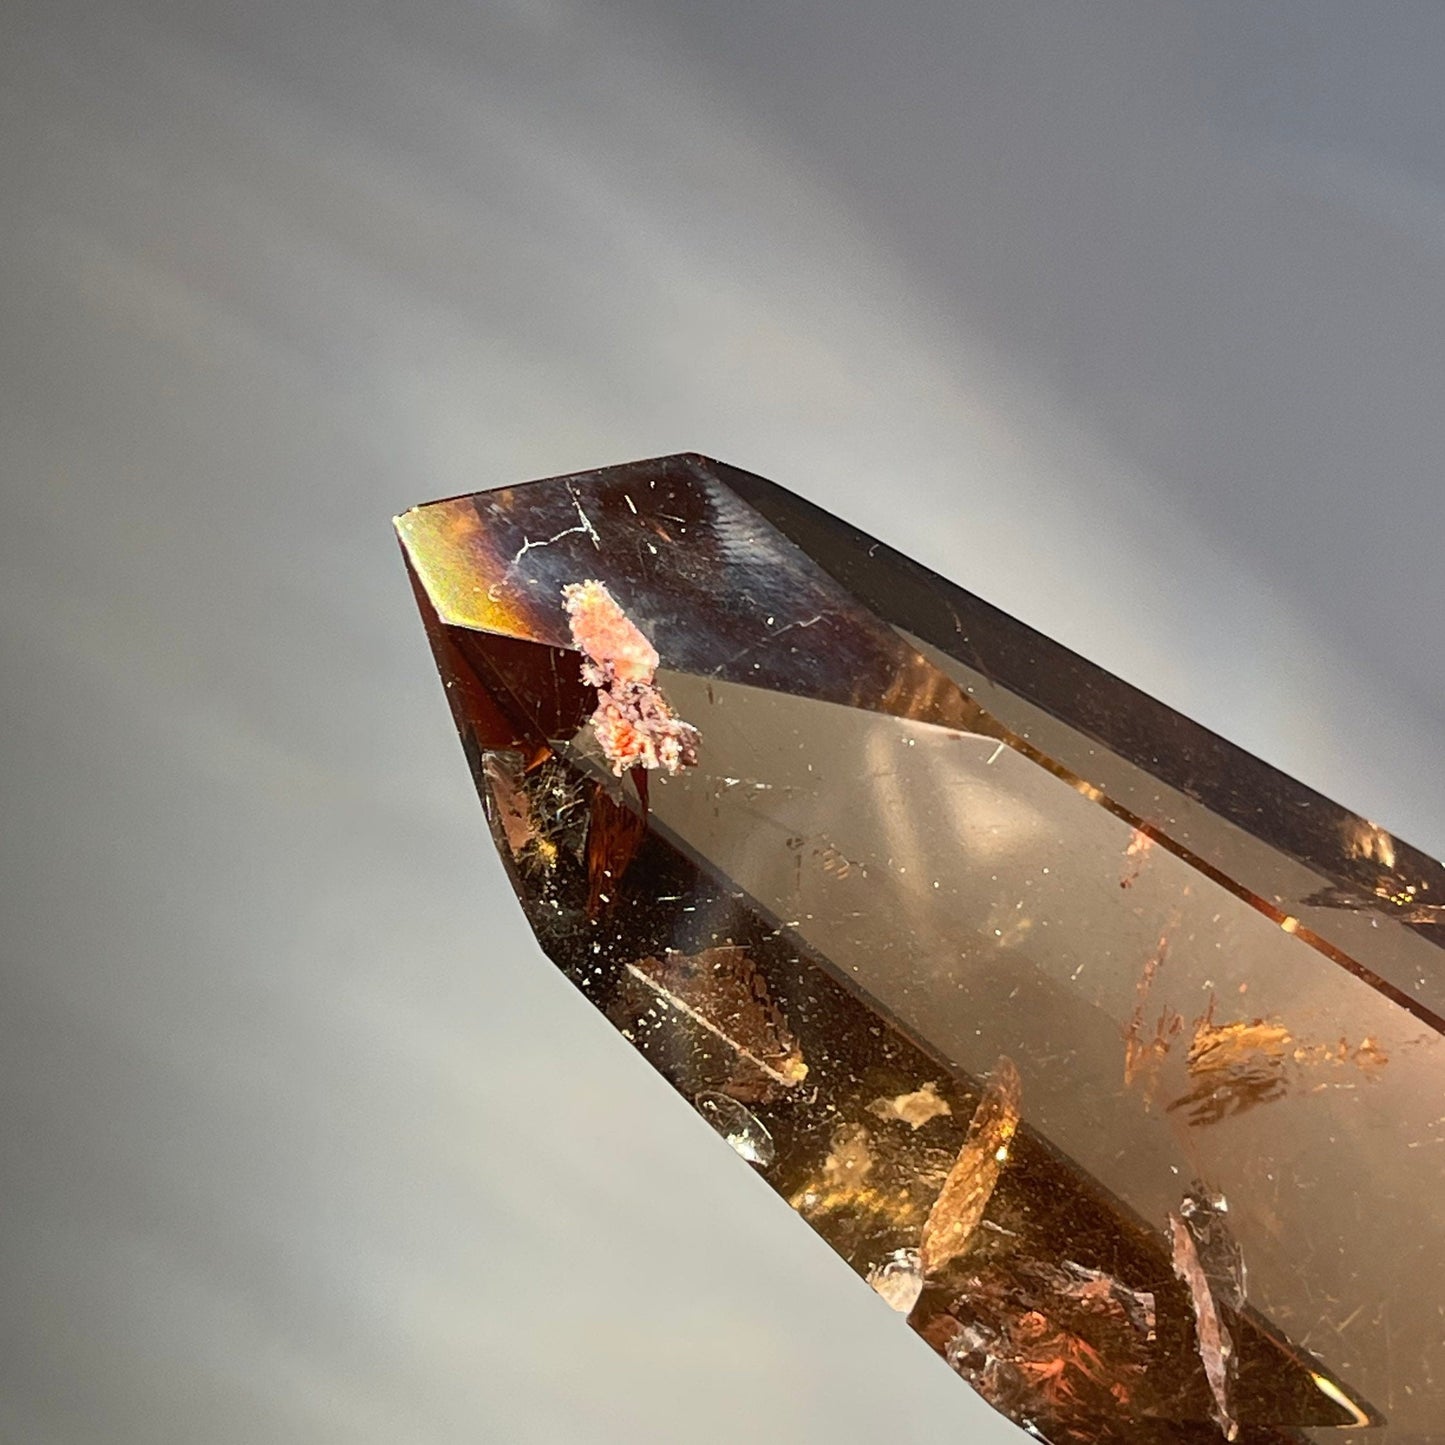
point(452, 554)
point(1332, 1391)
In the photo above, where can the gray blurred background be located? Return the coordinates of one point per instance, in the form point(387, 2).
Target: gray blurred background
point(1128, 316)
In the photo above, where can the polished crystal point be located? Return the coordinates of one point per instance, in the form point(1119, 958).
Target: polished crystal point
point(1107, 1054)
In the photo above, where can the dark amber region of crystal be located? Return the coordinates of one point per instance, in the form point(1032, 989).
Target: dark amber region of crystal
point(1108, 1055)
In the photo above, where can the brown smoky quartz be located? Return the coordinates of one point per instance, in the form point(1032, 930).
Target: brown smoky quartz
point(1107, 1054)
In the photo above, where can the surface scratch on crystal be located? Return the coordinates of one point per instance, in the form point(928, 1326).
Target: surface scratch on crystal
point(970, 1183)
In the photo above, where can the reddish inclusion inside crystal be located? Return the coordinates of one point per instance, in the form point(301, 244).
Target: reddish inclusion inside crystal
point(912, 891)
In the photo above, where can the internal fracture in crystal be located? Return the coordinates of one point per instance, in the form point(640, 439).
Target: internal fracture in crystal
point(1107, 1055)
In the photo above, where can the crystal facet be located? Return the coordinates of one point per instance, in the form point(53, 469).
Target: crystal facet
point(1106, 1053)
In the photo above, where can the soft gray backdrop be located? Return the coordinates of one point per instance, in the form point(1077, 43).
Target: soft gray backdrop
point(1130, 316)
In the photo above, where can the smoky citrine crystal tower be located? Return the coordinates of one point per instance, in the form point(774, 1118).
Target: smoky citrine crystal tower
point(1110, 1057)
